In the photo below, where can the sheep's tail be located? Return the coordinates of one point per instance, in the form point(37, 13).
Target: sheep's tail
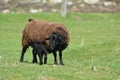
point(29, 20)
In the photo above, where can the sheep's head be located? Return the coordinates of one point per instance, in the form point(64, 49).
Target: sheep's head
point(54, 41)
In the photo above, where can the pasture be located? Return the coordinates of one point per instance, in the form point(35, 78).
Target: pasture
point(93, 52)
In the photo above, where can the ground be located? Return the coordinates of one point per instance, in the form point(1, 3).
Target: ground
point(93, 52)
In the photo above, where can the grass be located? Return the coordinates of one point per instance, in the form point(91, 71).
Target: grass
point(94, 42)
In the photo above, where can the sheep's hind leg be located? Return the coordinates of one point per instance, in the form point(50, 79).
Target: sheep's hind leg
point(22, 54)
point(60, 56)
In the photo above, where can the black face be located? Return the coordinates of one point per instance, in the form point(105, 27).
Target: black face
point(54, 41)
point(57, 42)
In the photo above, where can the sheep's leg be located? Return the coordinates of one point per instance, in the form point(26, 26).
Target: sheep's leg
point(55, 58)
point(34, 57)
point(40, 58)
point(22, 54)
point(45, 55)
point(45, 59)
point(60, 56)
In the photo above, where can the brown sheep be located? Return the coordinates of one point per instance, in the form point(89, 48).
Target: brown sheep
point(39, 30)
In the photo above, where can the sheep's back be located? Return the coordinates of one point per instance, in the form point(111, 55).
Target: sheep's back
point(38, 30)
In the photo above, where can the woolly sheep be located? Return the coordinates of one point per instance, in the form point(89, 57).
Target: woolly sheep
point(39, 30)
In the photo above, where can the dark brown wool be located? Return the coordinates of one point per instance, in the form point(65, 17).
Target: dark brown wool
point(38, 30)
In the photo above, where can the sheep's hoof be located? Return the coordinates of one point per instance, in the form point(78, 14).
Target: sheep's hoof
point(55, 63)
point(45, 62)
point(21, 60)
point(34, 61)
point(61, 63)
point(40, 63)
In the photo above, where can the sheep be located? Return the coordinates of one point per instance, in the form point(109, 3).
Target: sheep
point(40, 49)
point(38, 30)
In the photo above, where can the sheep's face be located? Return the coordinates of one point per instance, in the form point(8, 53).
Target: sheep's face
point(54, 41)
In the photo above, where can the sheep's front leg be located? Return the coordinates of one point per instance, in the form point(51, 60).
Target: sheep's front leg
point(45, 56)
point(45, 59)
point(60, 56)
point(40, 58)
point(34, 57)
point(55, 58)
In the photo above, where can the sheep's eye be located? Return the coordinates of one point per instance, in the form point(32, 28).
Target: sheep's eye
point(53, 41)
point(53, 38)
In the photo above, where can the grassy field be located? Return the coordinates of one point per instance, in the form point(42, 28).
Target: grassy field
point(93, 52)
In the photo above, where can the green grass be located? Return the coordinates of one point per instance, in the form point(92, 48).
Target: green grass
point(94, 42)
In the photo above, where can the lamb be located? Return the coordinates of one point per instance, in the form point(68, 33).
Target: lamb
point(39, 30)
point(40, 49)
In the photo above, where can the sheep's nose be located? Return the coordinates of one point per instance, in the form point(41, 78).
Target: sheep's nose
point(51, 48)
